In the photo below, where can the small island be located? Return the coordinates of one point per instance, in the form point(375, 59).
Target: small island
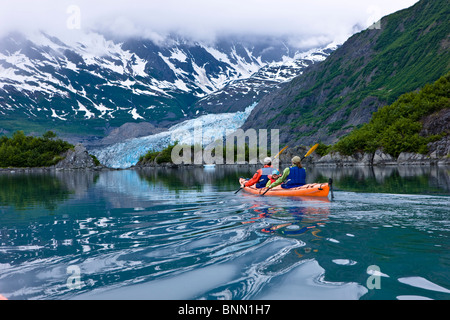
point(43, 153)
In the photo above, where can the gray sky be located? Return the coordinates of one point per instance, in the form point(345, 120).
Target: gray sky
point(306, 23)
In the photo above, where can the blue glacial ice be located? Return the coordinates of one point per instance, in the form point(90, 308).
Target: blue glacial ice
point(207, 128)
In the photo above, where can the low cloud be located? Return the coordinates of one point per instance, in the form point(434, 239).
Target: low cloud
point(305, 23)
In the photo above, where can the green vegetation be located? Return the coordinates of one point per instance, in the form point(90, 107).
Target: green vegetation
point(396, 128)
point(163, 156)
point(26, 151)
point(96, 161)
point(91, 127)
point(149, 156)
point(323, 149)
point(26, 190)
point(373, 68)
point(335, 126)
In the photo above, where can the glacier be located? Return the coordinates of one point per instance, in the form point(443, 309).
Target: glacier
point(206, 128)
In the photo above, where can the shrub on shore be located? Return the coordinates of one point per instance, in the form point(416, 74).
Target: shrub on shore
point(397, 127)
point(23, 151)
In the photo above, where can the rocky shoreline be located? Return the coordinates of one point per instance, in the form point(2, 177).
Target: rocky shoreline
point(379, 158)
point(79, 159)
point(440, 156)
point(335, 160)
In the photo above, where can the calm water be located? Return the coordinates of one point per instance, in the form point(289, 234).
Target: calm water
point(184, 234)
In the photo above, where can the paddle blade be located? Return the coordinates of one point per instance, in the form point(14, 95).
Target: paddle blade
point(280, 152)
point(314, 147)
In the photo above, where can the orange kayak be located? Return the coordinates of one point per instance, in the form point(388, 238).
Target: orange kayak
point(308, 190)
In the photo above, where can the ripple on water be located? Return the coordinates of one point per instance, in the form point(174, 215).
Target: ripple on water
point(174, 242)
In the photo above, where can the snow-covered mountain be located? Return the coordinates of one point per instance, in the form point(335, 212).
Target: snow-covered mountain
point(240, 93)
point(96, 80)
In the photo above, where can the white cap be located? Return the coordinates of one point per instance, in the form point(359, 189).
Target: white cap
point(267, 160)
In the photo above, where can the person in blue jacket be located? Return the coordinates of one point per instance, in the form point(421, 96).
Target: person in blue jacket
point(294, 176)
point(261, 176)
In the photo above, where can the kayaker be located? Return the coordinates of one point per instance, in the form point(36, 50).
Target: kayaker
point(261, 176)
point(273, 177)
point(294, 176)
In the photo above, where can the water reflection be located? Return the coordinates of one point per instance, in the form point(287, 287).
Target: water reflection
point(183, 233)
point(224, 177)
point(395, 179)
point(48, 190)
point(293, 216)
point(300, 218)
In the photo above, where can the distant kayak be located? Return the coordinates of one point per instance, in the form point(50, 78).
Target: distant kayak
point(308, 190)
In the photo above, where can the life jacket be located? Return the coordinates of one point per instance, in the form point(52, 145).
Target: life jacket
point(265, 172)
point(296, 178)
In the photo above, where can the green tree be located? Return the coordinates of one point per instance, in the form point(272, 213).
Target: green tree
point(23, 151)
point(396, 128)
point(49, 135)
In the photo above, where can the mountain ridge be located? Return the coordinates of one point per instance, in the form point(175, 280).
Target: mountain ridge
point(86, 84)
point(371, 69)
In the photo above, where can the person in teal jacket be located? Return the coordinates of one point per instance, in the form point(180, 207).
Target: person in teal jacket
point(294, 176)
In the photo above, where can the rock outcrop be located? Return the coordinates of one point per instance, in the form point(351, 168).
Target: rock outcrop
point(380, 158)
point(77, 158)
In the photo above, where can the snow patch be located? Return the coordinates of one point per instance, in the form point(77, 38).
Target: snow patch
point(178, 72)
point(179, 55)
point(54, 115)
point(83, 108)
point(135, 114)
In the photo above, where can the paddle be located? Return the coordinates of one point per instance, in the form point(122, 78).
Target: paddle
point(239, 189)
point(280, 152)
point(314, 147)
point(330, 183)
